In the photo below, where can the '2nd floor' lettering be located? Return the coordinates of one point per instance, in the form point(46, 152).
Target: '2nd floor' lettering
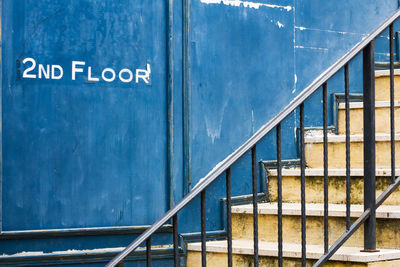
point(56, 72)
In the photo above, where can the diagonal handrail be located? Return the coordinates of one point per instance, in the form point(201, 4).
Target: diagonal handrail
point(253, 140)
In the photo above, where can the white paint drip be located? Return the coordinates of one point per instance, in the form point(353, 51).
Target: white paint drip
point(280, 25)
point(247, 4)
point(277, 23)
point(214, 125)
point(384, 54)
point(311, 47)
point(252, 120)
point(295, 83)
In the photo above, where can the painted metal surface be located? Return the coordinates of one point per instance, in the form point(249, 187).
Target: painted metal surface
point(260, 60)
point(87, 153)
point(84, 105)
point(263, 56)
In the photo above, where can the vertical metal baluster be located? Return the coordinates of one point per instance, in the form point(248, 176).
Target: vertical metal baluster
point(348, 185)
point(279, 179)
point(176, 242)
point(229, 215)
point(303, 188)
point(255, 206)
point(148, 252)
point(369, 146)
point(396, 45)
point(325, 122)
point(203, 230)
point(392, 125)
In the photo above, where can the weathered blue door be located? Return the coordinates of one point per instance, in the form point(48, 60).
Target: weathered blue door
point(83, 113)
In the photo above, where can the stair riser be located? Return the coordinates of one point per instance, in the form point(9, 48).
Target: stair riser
point(336, 189)
point(239, 260)
point(388, 230)
point(382, 121)
point(382, 88)
point(337, 154)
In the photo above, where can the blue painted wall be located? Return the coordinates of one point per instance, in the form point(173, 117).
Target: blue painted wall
point(79, 153)
point(260, 60)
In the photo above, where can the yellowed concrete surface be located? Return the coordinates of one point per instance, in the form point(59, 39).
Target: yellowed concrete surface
point(382, 93)
point(382, 88)
point(337, 154)
point(220, 260)
point(336, 186)
point(382, 121)
point(216, 259)
point(388, 230)
point(393, 263)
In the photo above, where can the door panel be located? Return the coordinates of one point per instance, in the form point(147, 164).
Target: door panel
point(83, 113)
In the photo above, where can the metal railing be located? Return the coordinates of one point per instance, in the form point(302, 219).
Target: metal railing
point(368, 218)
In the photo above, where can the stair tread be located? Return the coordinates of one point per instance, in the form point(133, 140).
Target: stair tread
point(317, 209)
point(358, 105)
point(331, 172)
point(384, 73)
point(317, 137)
point(65, 252)
point(293, 250)
point(74, 252)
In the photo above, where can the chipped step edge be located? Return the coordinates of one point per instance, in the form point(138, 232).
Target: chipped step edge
point(359, 105)
point(384, 73)
point(75, 252)
point(69, 252)
point(341, 138)
point(317, 210)
point(291, 250)
point(331, 172)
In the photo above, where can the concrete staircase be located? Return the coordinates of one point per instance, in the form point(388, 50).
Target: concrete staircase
point(388, 215)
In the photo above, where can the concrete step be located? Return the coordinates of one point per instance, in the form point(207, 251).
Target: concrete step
point(388, 224)
point(85, 257)
point(382, 98)
point(382, 85)
point(337, 150)
point(268, 253)
point(337, 185)
point(382, 117)
point(88, 257)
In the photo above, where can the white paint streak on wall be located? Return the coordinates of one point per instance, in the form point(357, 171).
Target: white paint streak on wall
point(295, 83)
point(330, 31)
point(277, 23)
point(214, 124)
point(252, 121)
point(247, 4)
point(311, 47)
point(384, 37)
